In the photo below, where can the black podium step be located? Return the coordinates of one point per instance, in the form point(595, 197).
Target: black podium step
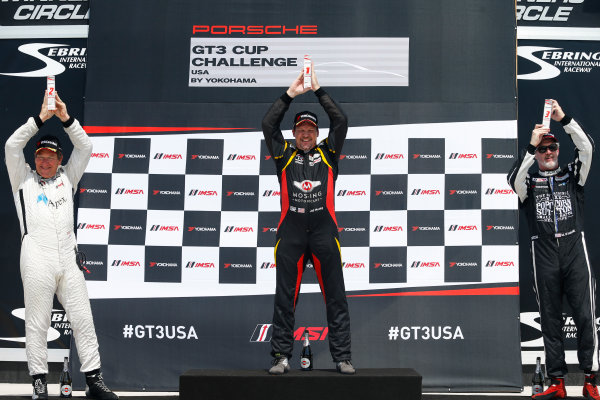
point(389, 383)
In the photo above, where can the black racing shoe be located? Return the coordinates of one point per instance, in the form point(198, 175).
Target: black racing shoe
point(97, 389)
point(40, 387)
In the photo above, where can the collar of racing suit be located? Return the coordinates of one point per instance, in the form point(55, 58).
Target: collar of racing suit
point(550, 173)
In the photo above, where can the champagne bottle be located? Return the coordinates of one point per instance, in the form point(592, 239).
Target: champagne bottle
point(66, 383)
point(306, 356)
point(537, 382)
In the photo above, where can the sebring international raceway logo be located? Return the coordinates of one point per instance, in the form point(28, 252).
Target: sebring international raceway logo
point(58, 324)
point(68, 57)
point(552, 61)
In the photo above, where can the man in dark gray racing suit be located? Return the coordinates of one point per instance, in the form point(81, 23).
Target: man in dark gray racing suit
point(308, 226)
point(553, 201)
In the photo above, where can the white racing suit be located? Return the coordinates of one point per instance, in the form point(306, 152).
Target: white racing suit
point(48, 246)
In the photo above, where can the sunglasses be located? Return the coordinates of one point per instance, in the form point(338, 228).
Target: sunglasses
point(542, 149)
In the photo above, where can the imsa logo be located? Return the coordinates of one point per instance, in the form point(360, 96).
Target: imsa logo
point(353, 265)
point(242, 229)
point(421, 192)
point(242, 157)
point(462, 228)
point(83, 225)
point(385, 156)
point(456, 156)
point(381, 228)
point(163, 156)
point(163, 228)
point(197, 192)
point(125, 263)
point(491, 191)
point(194, 264)
point(129, 191)
point(494, 263)
point(425, 264)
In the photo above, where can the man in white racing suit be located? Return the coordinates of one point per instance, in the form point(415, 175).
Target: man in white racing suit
point(44, 202)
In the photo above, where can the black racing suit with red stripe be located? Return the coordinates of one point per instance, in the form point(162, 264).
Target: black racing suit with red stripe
point(308, 227)
point(553, 202)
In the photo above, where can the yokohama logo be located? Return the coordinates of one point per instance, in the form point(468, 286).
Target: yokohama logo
point(381, 228)
point(388, 265)
point(244, 157)
point(389, 192)
point(426, 228)
point(267, 265)
point(240, 194)
point(453, 192)
point(418, 192)
point(454, 156)
point(238, 229)
point(204, 157)
point(353, 156)
point(83, 225)
point(161, 228)
point(201, 229)
point(194, 264)
point(415, 156)
point(384, 156)
point(129, 191)
point(268, 229)
point(352, 229)
point(237, 265)
point(504, 156)
point(163, 156)
point(425, 264)
point(353, 265)
point(152, 264)
point(494, 263)
point(122, 155)
point(166, 192)
point(499, 191)
point(453, 264)
point(499, 228)
point(128, 227)
point(462, 228)
point(93, 191)
point(271, 193)
point(123, 263)
point(197, 192)
point(94, 263)
point(351, 193)
point(100, 155)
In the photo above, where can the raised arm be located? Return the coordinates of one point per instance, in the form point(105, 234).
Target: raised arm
point(517, 176)
point(13, 152)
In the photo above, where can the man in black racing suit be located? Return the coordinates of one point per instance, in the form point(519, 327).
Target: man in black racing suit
point(553, 201)
point(307, 227)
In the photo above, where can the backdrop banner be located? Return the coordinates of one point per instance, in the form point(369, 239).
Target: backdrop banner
point(180, 202)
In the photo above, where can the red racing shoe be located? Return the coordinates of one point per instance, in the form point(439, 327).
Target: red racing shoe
point(590, 391)
point(556, 390)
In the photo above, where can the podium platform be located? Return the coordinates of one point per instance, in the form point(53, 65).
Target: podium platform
point(388, 383)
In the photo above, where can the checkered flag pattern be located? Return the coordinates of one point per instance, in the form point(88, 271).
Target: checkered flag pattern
point(196, 214)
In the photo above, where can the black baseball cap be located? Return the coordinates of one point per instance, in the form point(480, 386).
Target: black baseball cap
point(48, 142)
point(305, 116)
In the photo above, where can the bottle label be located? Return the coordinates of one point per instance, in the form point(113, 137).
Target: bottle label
point(66, 390)
point(305, 362)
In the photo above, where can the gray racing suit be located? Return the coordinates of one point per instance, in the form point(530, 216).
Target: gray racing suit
point(553, 202)
point(48, 246)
